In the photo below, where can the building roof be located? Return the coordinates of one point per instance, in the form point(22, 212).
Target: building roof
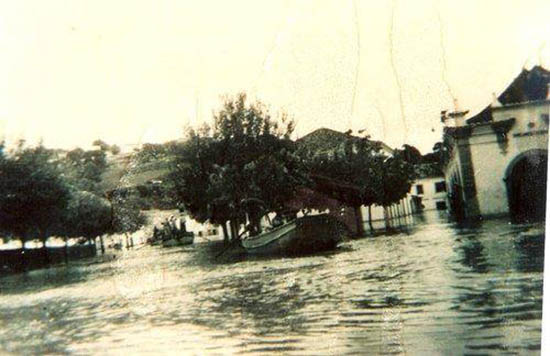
point(126, 171)
point(529, 85)
point(324, 139)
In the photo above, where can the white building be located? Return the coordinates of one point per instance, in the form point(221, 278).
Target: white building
point(430, 193)
point(204, 232)
point(497, 160)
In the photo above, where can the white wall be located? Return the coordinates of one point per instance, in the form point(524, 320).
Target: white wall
point(205, 231)
point(430, 197)
point(490, 161)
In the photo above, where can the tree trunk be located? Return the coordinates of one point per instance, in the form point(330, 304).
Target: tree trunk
point(234, 234)
point(370, 220)
point(398, 213)
point(46, 254)
point(387, 218)
point(66, 251)
point(126, 239)
point(225, 233)
point(231, 231)
point(234, 230)
point(102, 245)
point(24, 259)
point(359, 221)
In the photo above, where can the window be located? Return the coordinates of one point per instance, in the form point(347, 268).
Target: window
point(419, 189)
point(440, 205)
point(440, 187)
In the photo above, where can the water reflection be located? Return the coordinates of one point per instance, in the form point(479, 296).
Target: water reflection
point(472, 253)
point(442, 289)
point(531, 253)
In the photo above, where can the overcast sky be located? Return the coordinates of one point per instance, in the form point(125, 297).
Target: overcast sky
point(140, 71)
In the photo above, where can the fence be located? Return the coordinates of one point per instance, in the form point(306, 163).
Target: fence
point(17, 260)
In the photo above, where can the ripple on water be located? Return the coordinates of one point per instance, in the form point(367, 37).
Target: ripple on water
point(439, 289)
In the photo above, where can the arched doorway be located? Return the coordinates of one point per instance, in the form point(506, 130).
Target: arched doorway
point(526, 184)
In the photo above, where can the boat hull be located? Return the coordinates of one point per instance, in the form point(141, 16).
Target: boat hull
point(186, 239)
point(305, 235)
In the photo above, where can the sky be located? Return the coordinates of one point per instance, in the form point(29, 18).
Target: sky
point(131, 72)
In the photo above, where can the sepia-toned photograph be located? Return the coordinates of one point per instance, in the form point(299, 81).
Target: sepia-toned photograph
point(279, 177)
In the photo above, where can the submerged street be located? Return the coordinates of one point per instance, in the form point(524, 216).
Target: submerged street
point(436, 289)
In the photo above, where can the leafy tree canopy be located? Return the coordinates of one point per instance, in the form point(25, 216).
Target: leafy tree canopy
point(126, 214)
point(354, 161)
point(362, 173)
point(395, 179)
point(410, 154)
point(87, 215)
point(246, 156)
point(34, 194)
point(84, 169)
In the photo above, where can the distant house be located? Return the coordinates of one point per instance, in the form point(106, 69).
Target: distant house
point(496, 161)
point(429, 191)
point(204, 231)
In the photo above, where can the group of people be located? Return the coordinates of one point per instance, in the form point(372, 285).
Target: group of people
point(170, 228)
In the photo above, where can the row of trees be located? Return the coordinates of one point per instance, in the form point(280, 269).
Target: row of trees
point(373, 177)
point(46, 194)
point(246, 164)
point(233, 171)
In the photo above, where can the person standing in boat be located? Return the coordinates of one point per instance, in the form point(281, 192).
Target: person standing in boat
point(155, 233)
point(166, 229)
point(174, 227)
point(183, 222)
point(277, 220)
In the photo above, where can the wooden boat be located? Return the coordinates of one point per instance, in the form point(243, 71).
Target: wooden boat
point(304, 235)
point(184, 238)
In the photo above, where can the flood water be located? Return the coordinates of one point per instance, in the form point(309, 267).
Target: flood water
point(438, 289)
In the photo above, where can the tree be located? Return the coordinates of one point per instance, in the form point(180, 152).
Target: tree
point(396, 178)
point(115, 150)
point(84, 169)
point(126, 215)
point(34, 194)
point(410, 154)
point(359, 173)
point(88, 216)
point(103, 146)
point(238, 169)
point(353, 167)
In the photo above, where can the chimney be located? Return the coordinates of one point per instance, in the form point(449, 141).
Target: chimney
point(459, 117)
point(454, 118)
point(456, 105)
